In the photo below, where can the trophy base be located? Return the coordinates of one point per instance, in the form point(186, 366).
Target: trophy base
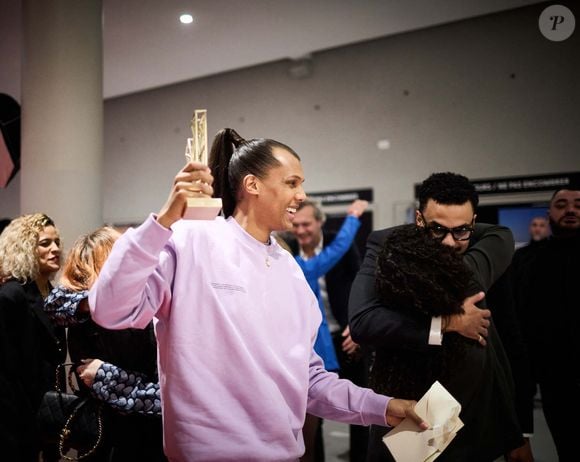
point(202, 209)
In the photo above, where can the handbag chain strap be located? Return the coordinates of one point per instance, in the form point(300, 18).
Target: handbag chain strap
point(57, 383)
point(66, 430)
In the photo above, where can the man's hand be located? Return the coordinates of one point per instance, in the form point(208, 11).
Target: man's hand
point(348, 344)
point(193, 180)
point(357, 208)
point(473, 323)
point(399, 409)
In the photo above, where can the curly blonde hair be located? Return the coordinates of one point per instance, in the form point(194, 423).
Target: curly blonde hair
point(86, 258)
point(18, 243)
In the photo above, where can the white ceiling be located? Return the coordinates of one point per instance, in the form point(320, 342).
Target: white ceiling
point(146, 47)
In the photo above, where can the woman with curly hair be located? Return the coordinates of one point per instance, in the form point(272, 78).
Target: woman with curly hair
point(419, 275)
point(30, 346)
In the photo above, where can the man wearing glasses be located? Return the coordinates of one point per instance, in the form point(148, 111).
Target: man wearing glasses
point(447, 205)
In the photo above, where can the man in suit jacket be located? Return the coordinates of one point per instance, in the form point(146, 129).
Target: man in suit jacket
point(447, 206)
point(308, 240)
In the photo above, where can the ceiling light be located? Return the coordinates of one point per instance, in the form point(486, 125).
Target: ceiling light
point(186, 19)
point(384, 144)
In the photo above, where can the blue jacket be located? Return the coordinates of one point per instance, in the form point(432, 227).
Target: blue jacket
point(318, 266)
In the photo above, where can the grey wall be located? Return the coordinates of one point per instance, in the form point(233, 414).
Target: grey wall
point(486, 97)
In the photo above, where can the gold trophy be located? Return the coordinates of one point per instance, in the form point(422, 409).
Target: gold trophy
point(200, 208)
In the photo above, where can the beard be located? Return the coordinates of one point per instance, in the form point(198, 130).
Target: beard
point(563, 231)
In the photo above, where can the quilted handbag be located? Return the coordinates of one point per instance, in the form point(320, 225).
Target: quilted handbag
point(70, 420)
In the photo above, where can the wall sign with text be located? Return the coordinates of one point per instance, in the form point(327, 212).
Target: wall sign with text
point(341, 197)
point(519, 184)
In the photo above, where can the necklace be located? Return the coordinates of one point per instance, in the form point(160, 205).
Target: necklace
point(269, 250)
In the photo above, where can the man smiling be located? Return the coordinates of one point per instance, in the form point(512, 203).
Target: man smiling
point(447, 205)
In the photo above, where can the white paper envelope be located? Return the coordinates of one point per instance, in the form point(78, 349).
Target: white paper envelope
point(408, 443)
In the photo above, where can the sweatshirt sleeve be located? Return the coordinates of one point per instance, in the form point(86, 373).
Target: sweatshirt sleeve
point(338, 399)
point(135, 282)
point(319, 265)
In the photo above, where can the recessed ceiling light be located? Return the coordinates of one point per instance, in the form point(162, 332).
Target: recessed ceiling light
point(384, 144)
point(186, 19)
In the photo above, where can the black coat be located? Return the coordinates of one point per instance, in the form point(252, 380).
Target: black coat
point(482, 382)
point(548, 306)
point(549, 309)
point(130, 436)
point(30, 350)
point(129, 349)
point(500, 301)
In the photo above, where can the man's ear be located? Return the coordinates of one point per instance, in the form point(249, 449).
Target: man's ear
point(419, 219)
point(251, 184)
point(473, 221)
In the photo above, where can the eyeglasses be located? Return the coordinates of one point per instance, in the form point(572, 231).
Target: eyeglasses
point(460, 233)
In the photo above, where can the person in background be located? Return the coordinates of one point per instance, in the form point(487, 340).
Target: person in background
point(524, 256)
point(547, 305)
point(446, 211)
point(236, 319)
point(315, 268)
point(307, 240)
point(539, 229)
point(124, 375)
point(31, 348)
point(506, 296)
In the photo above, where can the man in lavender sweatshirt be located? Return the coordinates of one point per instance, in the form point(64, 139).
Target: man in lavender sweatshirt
point(236, 319)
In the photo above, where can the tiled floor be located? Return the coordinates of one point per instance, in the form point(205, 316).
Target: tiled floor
point(336, 441)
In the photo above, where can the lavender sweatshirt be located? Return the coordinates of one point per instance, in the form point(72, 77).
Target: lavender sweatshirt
point(236, 324)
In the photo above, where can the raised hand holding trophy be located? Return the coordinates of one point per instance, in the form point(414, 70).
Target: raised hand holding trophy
point(200, 208)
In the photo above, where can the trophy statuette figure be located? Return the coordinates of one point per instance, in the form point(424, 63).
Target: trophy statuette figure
point(200, 208)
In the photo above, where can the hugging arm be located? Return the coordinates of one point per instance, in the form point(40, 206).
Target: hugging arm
point(490, 253)
point(374, 323)
point(379, 325)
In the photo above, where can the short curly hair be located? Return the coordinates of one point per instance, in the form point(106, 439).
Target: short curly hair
point(18, 242)
point(416, 272)
point(447, 188)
